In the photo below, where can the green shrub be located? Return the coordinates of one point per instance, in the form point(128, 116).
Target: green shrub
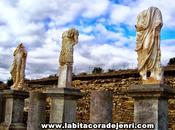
point(171, 61)
point(97, 70)
point(9, 82)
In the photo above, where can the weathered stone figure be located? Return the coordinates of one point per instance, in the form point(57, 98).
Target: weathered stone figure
point(64, 97)
point(148, 26)
point(18, 67)
point(69, 39)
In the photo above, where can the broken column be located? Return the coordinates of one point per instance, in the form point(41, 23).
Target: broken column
point(37, 111)
point(101, 107)
point(64, 97)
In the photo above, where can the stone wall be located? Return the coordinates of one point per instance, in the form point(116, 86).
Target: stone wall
point(116, 82)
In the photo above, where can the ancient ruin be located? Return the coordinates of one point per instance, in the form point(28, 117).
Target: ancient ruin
point(64, 97)
point(148, 27)
point(18, 67)
point(113, 97)
point(117, 82)
point(13, 99)
point(151, 98)
point(69, 39)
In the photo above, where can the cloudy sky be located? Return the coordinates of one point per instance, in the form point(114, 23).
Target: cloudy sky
point(107, 33)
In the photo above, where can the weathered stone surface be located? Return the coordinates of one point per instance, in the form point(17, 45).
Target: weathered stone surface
point(69, 39)
point(37, 110)
point(1, 107)
point(65, 93)
point(152, 111)
point(14, 108)
point(151, 90)
point(63, 104)
point(148, 26)
point(65, 76)
point(123, 105)
point(18, 67)
point(101, 107)
point(63, 110)
point(151, 104)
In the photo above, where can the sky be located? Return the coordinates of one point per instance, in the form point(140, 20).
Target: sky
point(106, 27)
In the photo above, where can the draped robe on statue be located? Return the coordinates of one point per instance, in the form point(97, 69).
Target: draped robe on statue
point(149, 23)
point(18, 67)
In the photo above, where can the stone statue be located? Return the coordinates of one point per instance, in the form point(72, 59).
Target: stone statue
point(69, 39)
point(18, 67)
point(148, 27)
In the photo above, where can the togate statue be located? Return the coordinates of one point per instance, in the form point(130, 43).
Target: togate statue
point(18, 67)
point(69, 39)
point(148, 27)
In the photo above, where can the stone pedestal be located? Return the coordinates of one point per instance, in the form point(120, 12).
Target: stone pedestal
point(63, 104)
point(65, 76)
point(151, 104)
point(14, 108)
point(101, 107)
point(1, 107)
point(37, 111)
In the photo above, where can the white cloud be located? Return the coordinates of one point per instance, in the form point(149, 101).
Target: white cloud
point(127, 13)
point(167, 50)
point(39, 24)
point(4, 35)
point(4, 74)
point(63, 12)
point(85, 38)
point(95, 8)
point(87, 29)
point(104, 55)
point(120, 13)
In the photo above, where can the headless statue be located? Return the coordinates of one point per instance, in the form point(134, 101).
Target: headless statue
point(18, 67)
point(148, 27)
point(69, 39)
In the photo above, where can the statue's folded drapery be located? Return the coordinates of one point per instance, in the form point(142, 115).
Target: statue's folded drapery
point(149, 23)
point(18, 66)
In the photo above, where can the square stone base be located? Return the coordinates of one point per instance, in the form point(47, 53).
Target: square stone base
point(63, 104)
point(14, 108)
point(151, 104)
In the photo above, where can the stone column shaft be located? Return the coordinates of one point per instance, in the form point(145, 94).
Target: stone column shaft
point(101, 107)
point(63, 110)
point(37, 111)
point(65, 76)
